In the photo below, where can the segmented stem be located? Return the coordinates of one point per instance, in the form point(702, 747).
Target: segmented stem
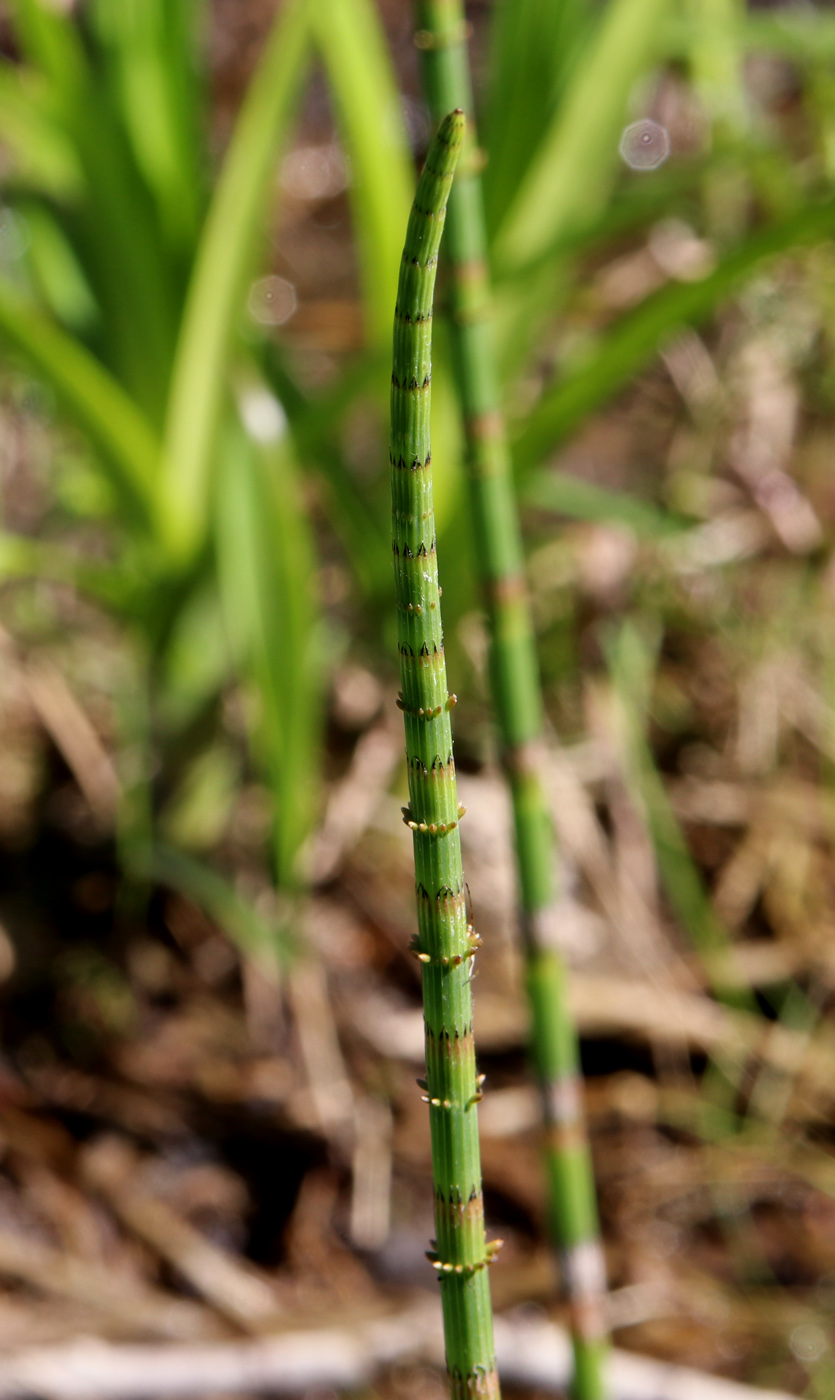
point(445, 943)
point(518, 705)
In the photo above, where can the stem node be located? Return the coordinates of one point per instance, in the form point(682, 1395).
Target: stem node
point(446, 942)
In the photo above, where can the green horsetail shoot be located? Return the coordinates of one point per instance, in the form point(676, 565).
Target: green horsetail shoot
point(446, 942)
point(519, 715)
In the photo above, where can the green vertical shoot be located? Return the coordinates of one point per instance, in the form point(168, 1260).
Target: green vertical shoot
point(516, 693)
point(445, 943)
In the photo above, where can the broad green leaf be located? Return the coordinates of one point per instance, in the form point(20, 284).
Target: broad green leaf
point(349, 37)
point(223, 264)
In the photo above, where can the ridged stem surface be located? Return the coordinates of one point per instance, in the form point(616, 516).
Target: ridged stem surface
point(445, 943)
point(517, 700)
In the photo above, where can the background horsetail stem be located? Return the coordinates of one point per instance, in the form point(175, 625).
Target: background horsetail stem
point(516, 694)
point(445, 943)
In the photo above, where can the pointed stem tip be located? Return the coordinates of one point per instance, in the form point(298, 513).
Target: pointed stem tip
point(451, 130)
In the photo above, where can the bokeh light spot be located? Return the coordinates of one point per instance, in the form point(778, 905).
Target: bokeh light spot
point(645, 145)
point(272, 300)
point(808, 1342)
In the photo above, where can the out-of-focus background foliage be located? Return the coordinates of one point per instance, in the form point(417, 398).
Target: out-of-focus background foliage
point(211, 1024)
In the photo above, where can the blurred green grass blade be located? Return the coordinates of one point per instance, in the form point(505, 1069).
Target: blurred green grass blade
point(151, 63)
point(41, 151)
point(117, 237)
point(23, 557)
point(798, 32)
point(447, 444)
point(316, 416)
point(582, 500)
point(634, 208)
point(316, 422)
point(539, 41)
point(114, 227)
point(195, 664)
point(223, 263)
point(801, 33)
point(267, 581)
point(571, 173)
point(716, 60)
point(215, 895)
point(716, 63)
point(636, 338)
point(55, 270)
point(631, 664)
point(49, 40)
point(196, 814)
point(349, 37)
point(96, 401)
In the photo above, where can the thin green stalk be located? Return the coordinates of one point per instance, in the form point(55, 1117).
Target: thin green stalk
point(517, 699)
point(445, 943)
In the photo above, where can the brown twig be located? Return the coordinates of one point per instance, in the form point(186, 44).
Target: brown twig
point(606, 1006)
point(531, 1352)
point(130, 1304)
point(233, 1288)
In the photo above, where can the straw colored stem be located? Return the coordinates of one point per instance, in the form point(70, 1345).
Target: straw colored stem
point(445, 944)
point(517, 699)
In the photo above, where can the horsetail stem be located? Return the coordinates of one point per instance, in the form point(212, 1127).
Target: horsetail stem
point(518, 705)
point(446, 942)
